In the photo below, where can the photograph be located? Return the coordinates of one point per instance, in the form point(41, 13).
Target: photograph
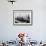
point(22, 16)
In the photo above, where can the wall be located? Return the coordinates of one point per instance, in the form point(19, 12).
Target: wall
point(37, 31)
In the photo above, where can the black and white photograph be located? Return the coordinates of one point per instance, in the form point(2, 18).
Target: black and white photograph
point(22, 16)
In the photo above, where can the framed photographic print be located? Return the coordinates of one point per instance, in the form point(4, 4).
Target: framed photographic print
point(22, 17)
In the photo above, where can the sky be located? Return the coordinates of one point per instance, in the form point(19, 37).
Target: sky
point(8, 31)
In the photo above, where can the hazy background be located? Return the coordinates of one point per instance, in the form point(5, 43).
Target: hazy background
point(37, 31)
